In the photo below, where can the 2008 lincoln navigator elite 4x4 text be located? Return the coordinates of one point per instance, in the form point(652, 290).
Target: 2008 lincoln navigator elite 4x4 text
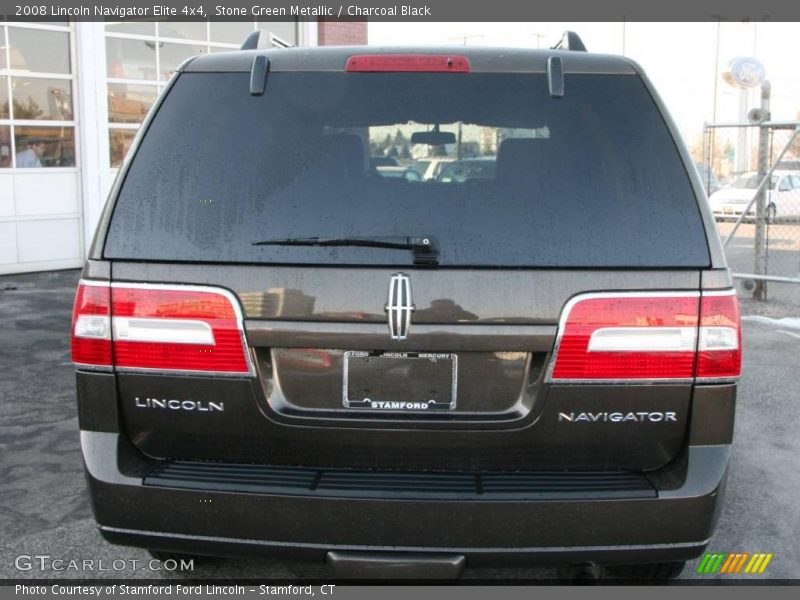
point(284, 344)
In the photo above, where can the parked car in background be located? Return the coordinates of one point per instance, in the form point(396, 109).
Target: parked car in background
point(406, 173)
point(467, 169)
point(421, 166)
point(789, 165)
point(429, 168)
point(383, 161)
point(783, 196)
point(708, 177)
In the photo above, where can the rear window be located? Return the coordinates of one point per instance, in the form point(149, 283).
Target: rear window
point(592, 179)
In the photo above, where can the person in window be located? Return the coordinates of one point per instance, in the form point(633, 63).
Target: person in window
point(31, 157)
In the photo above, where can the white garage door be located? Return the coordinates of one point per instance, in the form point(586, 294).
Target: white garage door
point(40, 208)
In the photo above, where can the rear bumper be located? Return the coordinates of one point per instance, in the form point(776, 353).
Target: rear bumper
point(674, 523)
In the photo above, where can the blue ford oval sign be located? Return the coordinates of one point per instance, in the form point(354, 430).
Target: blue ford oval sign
point(745, 72)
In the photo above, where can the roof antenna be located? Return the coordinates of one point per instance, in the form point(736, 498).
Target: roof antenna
point(570, 41)
point(251, 41)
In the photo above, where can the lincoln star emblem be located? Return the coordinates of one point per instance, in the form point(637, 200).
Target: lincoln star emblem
point(399, 306)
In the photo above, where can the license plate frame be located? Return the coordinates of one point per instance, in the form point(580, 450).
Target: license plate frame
point(440, 368)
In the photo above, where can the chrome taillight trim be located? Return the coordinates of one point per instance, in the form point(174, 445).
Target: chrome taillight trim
point(168, 331)
point(230, 296)
point(88, 367)
point(565, 312)
point(643, 339)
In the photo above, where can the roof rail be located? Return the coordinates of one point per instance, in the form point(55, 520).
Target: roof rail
point(570, 41)
point(251, 41)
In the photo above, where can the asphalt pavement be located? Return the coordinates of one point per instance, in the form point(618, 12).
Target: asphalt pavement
point(44, 509)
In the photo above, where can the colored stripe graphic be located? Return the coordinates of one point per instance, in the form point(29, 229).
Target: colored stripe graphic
point(758, 563)
point(718, 563)
point(741, 562)
point(711, 563)
point(701, 568)
point(766, 562)
point(753, 564)
point(725, 563)
point(732, 558)
point(708, 567)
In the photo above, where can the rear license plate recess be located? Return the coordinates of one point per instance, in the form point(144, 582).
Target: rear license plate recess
point(399, 381)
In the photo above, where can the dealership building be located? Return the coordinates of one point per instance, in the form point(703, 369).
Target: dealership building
point(73, 95)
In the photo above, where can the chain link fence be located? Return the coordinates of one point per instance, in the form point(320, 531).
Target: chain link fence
point(752, 175)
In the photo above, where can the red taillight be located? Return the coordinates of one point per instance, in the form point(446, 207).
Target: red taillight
point(407, 63)
point(91, 325)
point(169, 328)
point(719, 348)
point(647, 337)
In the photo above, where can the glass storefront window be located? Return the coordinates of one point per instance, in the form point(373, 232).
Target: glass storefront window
point(3, 97)
point(38, 50)
point(195, 31)
point(119, 142)
point(3, 46)
point(5, 146)
point(172, 55)
point(38, 98)
point(230, 32)
point(131, 59)
point(38, 147)
point(129, 103)
point(44, 95)
point(140, 28)
point(153, 59)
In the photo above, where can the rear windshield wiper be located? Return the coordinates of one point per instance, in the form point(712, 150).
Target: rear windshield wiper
point(425, 248)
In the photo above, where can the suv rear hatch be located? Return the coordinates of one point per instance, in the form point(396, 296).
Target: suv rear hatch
point(270, 197)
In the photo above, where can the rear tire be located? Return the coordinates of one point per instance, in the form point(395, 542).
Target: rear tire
point(647, 571)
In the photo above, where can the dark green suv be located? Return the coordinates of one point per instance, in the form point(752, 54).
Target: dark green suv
point(280, 350)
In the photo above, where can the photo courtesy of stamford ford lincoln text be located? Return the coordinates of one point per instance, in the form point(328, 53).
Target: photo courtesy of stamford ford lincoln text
point(342, 300)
